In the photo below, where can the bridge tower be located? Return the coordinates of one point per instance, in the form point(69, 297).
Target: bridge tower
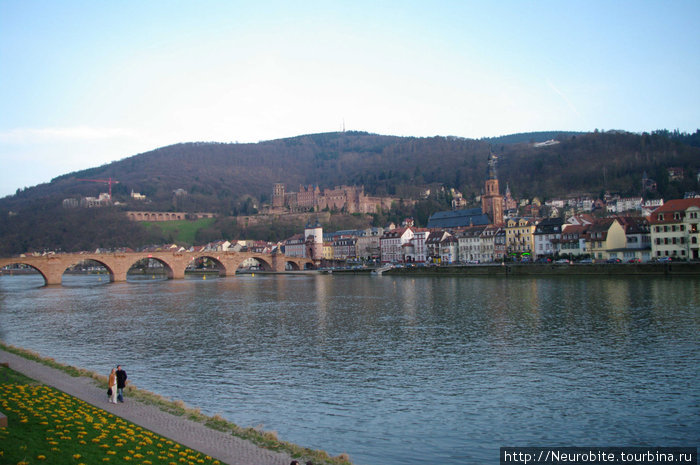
point(314, 241)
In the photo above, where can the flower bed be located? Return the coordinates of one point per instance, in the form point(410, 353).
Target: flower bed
point(47, 426)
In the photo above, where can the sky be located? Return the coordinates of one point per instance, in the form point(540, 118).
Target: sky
point(85, 83)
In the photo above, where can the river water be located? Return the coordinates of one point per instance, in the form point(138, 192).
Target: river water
point(392, 370)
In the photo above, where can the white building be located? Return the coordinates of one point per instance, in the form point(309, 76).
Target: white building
point(470, 245)
point(547, 234)
point(391, 244)
point(674, 230)
point(416, 250)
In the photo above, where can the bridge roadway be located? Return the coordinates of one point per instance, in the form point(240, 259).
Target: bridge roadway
point(53, 266)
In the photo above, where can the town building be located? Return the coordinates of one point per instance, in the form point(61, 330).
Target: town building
point(637, 239)
point(432, 245)
point(416, 251)
point(391, 244)
point(295, 246)
point(572, 242)
point(368, 243)
point(449, 250)
point(520, 239)
point(674, 230)
point(488, 245)
point(547, 232)
point(510, 206)
point(458, 219)
point(605, 238)
point(470, 244)
point(622, 205)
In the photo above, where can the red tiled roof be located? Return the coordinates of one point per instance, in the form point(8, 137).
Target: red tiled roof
point(670, 207)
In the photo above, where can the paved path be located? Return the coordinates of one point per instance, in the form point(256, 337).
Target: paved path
point(222, 446)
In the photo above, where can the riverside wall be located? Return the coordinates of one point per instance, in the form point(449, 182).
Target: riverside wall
point(517, 269)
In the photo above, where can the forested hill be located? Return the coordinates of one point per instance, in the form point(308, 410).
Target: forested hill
point(229, 179)
point(219, 177)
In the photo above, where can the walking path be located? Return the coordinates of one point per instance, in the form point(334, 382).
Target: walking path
point(222, 446)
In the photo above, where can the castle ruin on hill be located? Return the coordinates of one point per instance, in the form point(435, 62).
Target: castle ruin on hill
point(350, 199)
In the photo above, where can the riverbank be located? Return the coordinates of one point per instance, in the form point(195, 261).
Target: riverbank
point(213, 436)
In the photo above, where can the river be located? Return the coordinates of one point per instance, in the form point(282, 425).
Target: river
point(392, 370)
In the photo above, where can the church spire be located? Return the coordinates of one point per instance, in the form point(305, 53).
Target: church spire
point(492, 165)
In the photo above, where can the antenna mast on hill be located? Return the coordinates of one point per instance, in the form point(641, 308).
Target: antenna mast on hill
point(109, 181)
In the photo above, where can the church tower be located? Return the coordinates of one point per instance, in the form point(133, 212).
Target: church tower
point(492, 200)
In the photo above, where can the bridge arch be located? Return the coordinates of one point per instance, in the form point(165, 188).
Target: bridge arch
point(78, 260)
point(42, 273)
point(167, 267)
point(218, 263)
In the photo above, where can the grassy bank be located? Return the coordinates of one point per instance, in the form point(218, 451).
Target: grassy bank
point(48, 426)
point(265, 439)
point(180, 232)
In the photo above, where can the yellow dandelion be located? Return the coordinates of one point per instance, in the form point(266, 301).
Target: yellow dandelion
point(41, 457)
point(76, 456)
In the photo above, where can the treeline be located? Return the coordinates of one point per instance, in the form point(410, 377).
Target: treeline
point(44, 226)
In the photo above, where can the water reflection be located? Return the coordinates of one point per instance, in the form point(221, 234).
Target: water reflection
point(394, 370)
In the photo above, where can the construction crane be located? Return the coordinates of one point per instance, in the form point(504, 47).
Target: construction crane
point(109, 181)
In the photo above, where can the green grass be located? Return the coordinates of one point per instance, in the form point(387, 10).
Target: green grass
point(182, 232)
point(47, 426)
point(264, 439)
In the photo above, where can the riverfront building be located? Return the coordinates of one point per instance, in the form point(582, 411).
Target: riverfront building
point(674, 229)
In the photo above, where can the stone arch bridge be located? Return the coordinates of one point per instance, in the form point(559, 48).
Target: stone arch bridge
point(53, 266)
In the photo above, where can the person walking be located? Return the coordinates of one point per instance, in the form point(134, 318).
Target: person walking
point(112, 386)
point(121, 383)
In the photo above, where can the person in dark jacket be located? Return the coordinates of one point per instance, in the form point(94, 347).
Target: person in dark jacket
point(121, 383)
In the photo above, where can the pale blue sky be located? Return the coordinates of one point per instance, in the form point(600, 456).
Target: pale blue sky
point(83, 83)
